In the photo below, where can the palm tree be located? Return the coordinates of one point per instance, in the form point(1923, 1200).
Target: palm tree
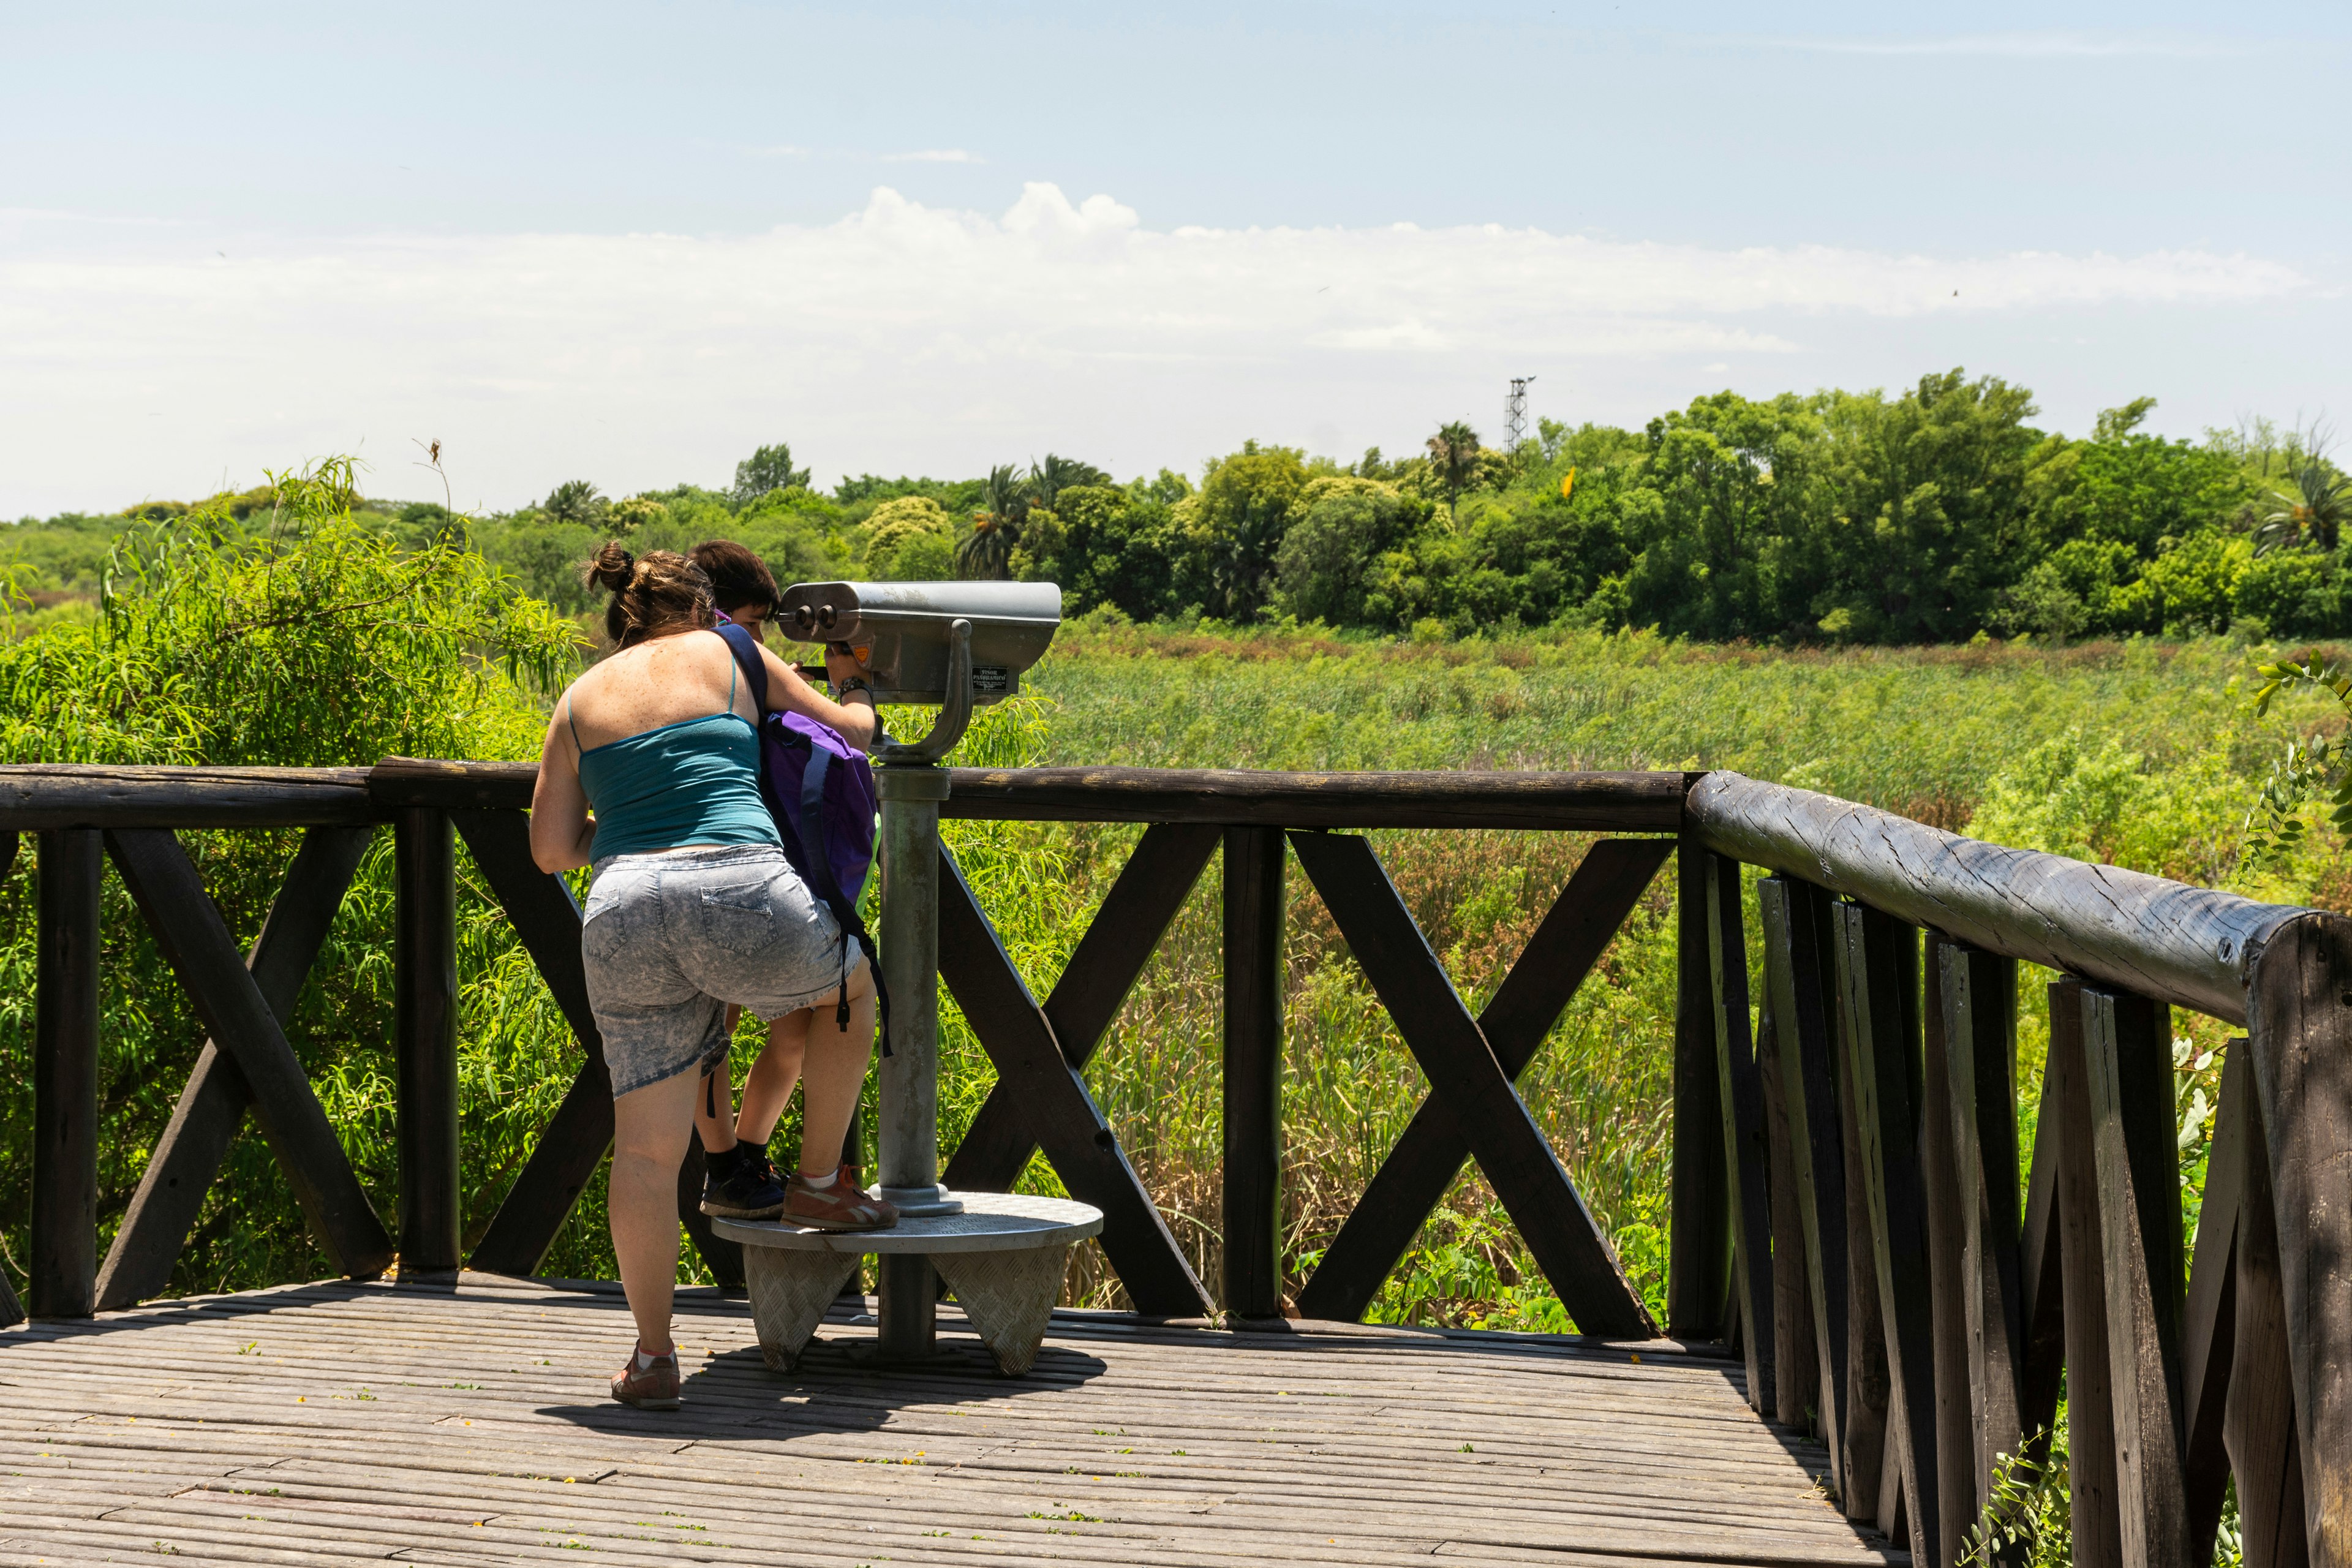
point(2313, 514)
point(987, 551)
point(1454, 450)
point(1049, 478)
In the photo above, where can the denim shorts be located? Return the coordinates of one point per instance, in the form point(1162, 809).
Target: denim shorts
point(671, 938)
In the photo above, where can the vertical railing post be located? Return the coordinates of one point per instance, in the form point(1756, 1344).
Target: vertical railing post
point(1746, 1159)
point(424, 1038)
point(2127, 1056)
point(1253, 1076)
point(1698, 1257)
point(65, 1078)
point(2092, 1481)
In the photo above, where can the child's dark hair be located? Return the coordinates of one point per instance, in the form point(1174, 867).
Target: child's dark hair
point(658, 592)
point(738, 577)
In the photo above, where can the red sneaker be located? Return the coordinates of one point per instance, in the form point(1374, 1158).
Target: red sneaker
point(653, 1387)
point(841, 1207)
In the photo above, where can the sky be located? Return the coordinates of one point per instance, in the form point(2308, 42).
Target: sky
point(632, 243)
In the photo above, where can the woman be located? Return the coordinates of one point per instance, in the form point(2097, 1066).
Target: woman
point(741, 1182)
point(693, 908)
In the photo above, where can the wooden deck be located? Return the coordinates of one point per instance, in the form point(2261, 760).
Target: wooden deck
point(340, 1423)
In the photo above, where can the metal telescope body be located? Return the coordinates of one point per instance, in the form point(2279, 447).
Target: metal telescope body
point(958, 646)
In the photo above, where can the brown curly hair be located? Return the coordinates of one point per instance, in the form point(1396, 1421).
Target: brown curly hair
point(652, 594)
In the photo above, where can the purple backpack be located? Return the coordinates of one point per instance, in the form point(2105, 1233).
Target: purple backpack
point(820, 790)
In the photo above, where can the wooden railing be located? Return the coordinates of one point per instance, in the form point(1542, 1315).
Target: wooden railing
point(1845, 1199)
point(1885, 1280)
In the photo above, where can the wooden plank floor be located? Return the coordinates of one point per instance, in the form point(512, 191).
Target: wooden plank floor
point(333, 1424)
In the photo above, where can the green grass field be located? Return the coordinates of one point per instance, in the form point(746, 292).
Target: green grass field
point(2142, 753)
point(2139, 754)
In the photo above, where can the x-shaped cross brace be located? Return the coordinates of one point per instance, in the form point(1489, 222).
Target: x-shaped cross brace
point(1470, 1064)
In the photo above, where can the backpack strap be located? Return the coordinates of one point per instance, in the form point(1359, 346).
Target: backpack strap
point(746, 649)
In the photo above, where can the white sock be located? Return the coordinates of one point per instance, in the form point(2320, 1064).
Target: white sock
point(645, 1360)
point(820, 1183)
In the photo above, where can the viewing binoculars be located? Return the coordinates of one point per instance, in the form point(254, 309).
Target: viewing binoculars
point(904, 633)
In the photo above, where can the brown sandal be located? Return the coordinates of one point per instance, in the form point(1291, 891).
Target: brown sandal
point(841, 1207)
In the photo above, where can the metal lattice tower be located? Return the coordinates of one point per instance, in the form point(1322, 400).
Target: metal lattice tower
point(1515, 414)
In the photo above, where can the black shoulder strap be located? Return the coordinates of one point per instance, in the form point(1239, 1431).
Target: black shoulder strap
point(746, 649)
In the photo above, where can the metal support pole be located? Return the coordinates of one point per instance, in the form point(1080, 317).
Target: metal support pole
point(65, 1078)
point(907, 1162)
point(424, 1038)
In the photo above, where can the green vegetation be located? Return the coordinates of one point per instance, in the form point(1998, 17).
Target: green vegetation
point(299, 625)
point(1827, 518)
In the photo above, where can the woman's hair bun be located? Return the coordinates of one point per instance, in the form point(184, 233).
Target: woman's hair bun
point(612, 567)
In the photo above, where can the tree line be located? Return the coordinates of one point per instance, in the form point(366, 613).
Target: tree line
point(1935, 514)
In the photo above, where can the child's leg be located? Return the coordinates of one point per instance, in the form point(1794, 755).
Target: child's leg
point(835, 1072)
point(768, 1088)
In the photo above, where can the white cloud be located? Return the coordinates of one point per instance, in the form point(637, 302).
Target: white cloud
point(934, 155)
point(907, 336)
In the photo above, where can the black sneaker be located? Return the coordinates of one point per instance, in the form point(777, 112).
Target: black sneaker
point(739, 1188)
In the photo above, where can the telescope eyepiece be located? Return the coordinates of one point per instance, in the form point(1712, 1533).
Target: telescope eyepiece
point(803, 618)
point(827, 616)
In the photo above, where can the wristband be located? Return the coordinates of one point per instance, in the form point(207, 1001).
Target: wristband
point(855, 683)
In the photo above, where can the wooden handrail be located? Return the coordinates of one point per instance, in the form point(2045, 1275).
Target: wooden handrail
point(1610, 802)
point(2191, 947)
point(37, 798)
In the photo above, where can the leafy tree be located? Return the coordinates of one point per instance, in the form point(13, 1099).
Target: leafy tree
point(987, 551)
point(1049, 478)
point(767, 470)
point(1234, 527)
point(1342, 527)
point(2313, 514)
point(578, 502)
point(1454, 452)
point(910, 539)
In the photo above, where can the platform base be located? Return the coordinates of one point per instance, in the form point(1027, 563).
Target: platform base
point(1009, 1297)
point(791, 1293)
point(1003, 1256)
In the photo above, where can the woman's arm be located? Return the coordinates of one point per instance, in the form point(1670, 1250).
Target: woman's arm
point(787, 690)
point(561, 836)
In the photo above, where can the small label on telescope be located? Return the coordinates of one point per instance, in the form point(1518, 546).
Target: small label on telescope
point(990, 679)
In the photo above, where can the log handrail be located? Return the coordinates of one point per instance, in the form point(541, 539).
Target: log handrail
point(2191, 947)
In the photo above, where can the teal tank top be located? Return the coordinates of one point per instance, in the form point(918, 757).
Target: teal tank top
point(694, 781)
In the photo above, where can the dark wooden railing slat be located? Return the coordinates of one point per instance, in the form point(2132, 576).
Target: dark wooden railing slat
point(1079, 1142)
point(1796, 1363)
point(1979, 997)
point(188, 1156)
point(2299, 1026)
point(2127, 1050)
point(2260, 1425)
point(1873, 1445)
point(163, 883)
point(1698, 1248)
point(63, 1266)
point(2094, 1483)
point(2208, 1315)
point(425, 1039)
point(1795, 919)
point(1746, 1158)
point(1955, 1475)
point(1462, 1070)
point(546, 920)
point(1142, 902)
point(1884, 1006)
point(1252, 903)
point(1415, 1176)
